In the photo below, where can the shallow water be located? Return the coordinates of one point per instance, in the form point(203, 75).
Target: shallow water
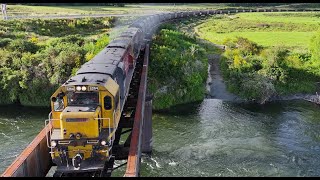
point(213, 138)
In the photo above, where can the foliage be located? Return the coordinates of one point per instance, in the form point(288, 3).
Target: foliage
point(94, 48)
point(22, 45)
point(178, 68)
point(32, 66)
point(259, 74)
point(4, 42)
point(315, 47)
point(266, 53)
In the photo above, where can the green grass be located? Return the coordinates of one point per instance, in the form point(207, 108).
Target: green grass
point(291, 39)
point(302, 18)
point(13, 10)
point(23, 10)
point(289, 29)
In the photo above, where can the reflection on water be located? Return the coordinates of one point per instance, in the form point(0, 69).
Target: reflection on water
point(211, 138)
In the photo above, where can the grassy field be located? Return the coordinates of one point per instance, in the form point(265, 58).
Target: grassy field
point(283, 17)
point(15, 10)
point(267, 29)
point(142, 8)
point(18, 10)
point(288, 39)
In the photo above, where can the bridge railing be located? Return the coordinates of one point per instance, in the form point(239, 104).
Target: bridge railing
point(133, 164)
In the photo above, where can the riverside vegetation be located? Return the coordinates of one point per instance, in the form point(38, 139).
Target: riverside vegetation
point(178, 68)
point(257, 68)
point(36, 56)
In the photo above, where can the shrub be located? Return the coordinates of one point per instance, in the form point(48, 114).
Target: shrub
point(178, 70)
point(23, 45)
point(32, 67)
point(315, 46)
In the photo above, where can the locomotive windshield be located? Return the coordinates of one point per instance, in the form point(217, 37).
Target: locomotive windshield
point(82, 98)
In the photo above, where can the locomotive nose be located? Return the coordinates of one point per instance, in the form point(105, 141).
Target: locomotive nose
point(79, 125)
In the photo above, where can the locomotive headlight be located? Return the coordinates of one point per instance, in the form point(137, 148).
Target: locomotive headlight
point(103, 143)
point(53, 143)
point(71, 136)
point(83, 88)
point(78, 135)
point(78, 88)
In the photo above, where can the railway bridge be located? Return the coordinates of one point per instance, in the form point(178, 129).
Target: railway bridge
point(135, 125)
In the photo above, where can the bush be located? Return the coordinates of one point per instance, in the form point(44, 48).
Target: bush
point(74, 39)
point(315, 46)
point(23, 45)
point(178, 71)
point(38, 93)
point(257, 87)
point(257, 74)
point(32, 67)
point(4, 42)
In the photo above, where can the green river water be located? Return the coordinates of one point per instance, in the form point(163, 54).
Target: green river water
point(211, 138)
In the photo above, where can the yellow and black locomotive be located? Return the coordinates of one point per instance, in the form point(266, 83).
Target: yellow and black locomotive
point(86, 109)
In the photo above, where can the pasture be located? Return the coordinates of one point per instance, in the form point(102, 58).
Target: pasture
point(290, 29)
point(139, 8)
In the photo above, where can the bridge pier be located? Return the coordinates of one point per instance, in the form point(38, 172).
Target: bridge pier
point(147, 140)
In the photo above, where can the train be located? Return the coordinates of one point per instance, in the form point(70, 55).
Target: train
point(86, 109)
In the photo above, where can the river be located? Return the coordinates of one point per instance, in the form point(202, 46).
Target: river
point(211, 138)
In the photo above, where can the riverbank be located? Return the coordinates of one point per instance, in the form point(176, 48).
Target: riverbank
point(266, 69)
point(216, 87)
